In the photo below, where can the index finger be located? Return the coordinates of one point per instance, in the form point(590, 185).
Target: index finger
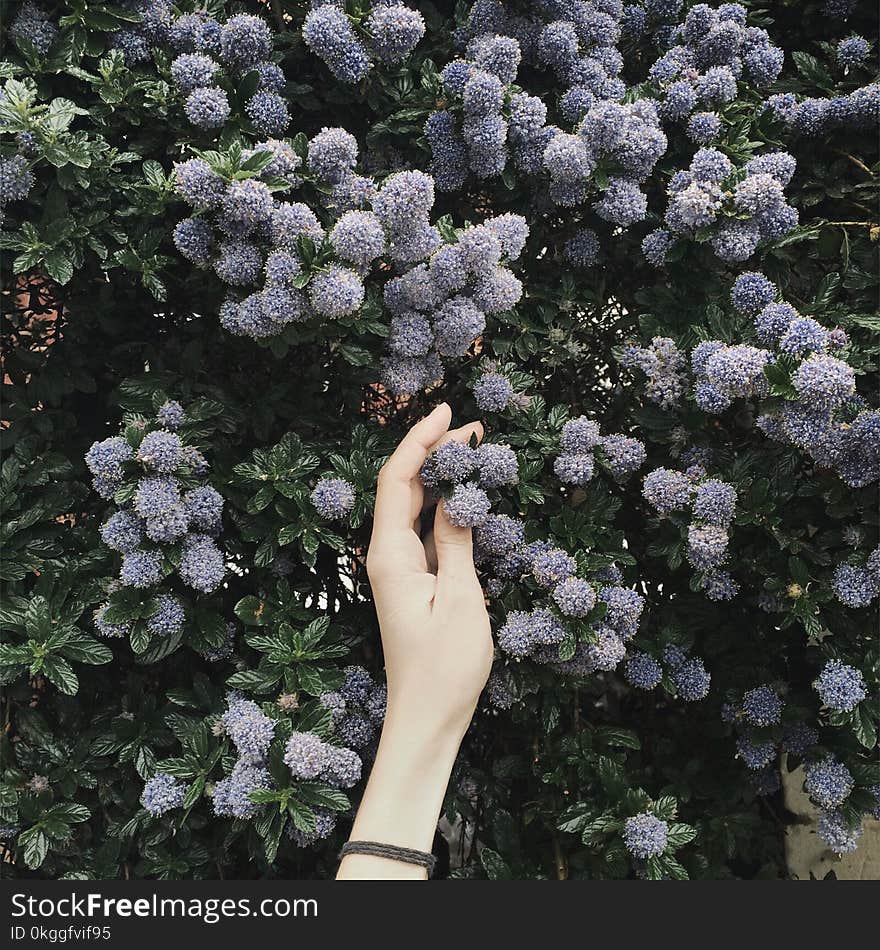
point(394, 492)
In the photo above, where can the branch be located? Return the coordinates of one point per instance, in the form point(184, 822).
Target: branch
point(856, 161)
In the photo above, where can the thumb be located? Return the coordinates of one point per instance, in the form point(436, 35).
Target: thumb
point(454, 546)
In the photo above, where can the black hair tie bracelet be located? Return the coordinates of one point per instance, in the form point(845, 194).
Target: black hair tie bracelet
point(391, 851)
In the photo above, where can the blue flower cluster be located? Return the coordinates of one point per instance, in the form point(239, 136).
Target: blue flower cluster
point(310, 758)
point(211, 57)
point(828, 782)
point(645, 835)
point(349, 46)
point(840, 687)
point(665, 369)
point(565, 604)
point(439, 305)
point(823, 415)
point(358, 709)
point(812, 117)
point(757, 719)
point(711, 504)
point(581, 443)
point(688, 674)
point(31, 27)
point(252, 730)
point(157, 515)
point(333, 498)
point(16, 181)
point(736, 208)
point(162, 793)
point(856, 586)
point(838, 833)
point(494, 391)
point(708, 53)
point(489, 121)
point(438, 298)
point(462, 474)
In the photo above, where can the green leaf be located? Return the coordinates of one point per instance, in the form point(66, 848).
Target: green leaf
point(302, 815)
point(251, 610)
point(863, 726)
point(665, 807)
point(194, 793)
point(618, 737)
point(679, 835)
point(319, 794)
point(154, 174)
point(70, 812)
point(495, 866)
point(60, 674)
point(139, 638)
point(34, 845)
point(812, 70)
point(87, 650)
point(254, 681)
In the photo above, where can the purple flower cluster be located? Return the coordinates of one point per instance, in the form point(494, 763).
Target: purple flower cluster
point(31, 26)
point(824, 417)
point(762, 706)
point(439, 304)
point(645, 835)
point(689, 675)
point(231, 797)
point(738, 220)
point(493, 391)
point(488, 122)
point(16, 180)
point(538, 633)
point(162, 793)
point(812, 117)
point(642, 671)
point(711, 504)
point(855, 586)
point(713, 49)
point(357, 708)
point(840, 687)
point(389, 33)
point(838, 833)
point(309, 757)
point(156, 513)
point(462, 475)
point(579, 441)
point(665, 369)
point(333, 498)
point(249, 728)
point(828, 782)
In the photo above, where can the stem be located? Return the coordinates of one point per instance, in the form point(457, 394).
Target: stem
point(852, 224)
point(856, 161)
point(561, 863)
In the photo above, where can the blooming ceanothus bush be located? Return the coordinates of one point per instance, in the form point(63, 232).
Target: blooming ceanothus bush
point(246, 246)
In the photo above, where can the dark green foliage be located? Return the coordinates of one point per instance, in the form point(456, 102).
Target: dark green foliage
point(102, 319)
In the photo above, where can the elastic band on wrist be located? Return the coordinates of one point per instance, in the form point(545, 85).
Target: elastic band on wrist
point(376, 849)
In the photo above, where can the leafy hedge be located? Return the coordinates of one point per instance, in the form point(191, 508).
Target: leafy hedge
point(195, 414)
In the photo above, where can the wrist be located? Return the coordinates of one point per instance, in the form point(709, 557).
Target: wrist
point(404, 794)
point(418, 731)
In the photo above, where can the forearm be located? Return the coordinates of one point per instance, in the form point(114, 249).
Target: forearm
point(404, 795)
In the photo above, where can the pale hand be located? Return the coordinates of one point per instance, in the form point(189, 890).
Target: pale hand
point(438, 653)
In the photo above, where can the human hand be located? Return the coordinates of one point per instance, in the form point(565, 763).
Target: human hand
point(432, 614)
point(438, 653)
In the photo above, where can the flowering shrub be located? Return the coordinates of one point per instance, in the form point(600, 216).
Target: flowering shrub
point(245, 247)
